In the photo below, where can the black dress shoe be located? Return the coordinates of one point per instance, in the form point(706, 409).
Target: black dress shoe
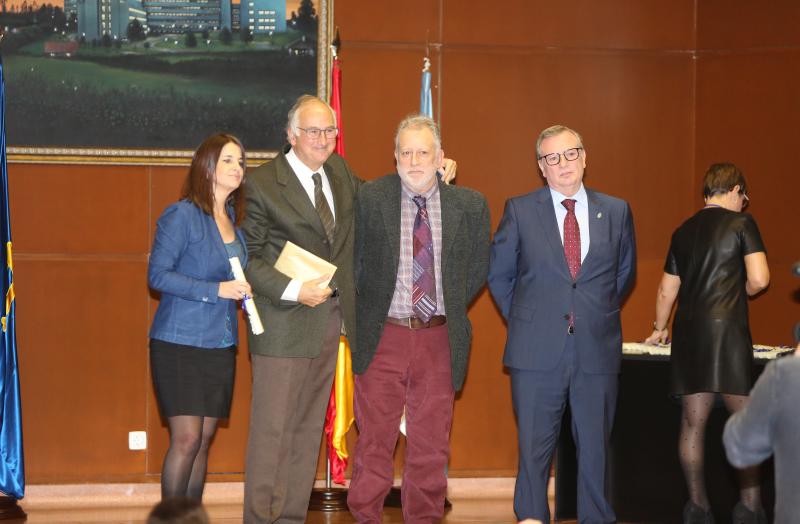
point(743, 515)
point(694, 514)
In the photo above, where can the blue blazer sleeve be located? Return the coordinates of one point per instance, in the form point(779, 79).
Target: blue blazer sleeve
point(504, 259)
point(174, 233)
point(626, 273)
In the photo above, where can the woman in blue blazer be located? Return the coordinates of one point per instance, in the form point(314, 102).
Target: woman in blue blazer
point(194, 333)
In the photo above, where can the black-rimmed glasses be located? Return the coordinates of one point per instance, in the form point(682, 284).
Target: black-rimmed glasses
point(553, 159)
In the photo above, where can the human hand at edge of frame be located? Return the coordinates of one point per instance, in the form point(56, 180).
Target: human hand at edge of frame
point(448, 170)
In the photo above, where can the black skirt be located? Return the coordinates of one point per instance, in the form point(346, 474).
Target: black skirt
point(192, 381)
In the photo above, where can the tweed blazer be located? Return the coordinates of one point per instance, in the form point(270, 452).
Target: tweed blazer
point(464, 264)
point(279, 210)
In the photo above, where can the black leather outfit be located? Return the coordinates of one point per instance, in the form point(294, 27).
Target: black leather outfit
point(711, 345)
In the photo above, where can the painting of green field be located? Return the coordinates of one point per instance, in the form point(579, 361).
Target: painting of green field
point(152, 98)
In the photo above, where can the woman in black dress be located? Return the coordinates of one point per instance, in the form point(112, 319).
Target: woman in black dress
point(716, 260)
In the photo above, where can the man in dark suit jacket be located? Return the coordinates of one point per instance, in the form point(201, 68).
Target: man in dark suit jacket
point(562, 260)
point(408, 353)
point(294, 359)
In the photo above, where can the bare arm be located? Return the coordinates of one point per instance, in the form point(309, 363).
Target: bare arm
point(665, 299)
point(757, 272)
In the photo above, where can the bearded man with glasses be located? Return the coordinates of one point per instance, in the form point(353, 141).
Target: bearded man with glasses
point(562, 260)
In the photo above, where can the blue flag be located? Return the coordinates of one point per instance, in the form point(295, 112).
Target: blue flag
point(12, 468)
point(425, 98)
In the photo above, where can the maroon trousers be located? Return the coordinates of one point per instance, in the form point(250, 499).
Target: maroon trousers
point(411, 368)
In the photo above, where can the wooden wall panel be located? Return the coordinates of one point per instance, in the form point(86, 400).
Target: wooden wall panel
point(744, 24)
point(620, 24)
point(382, 22)
point(78, 209)
point(81, 333)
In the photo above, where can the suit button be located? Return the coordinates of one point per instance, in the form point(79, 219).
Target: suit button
point(566, 317)
point(574, 285)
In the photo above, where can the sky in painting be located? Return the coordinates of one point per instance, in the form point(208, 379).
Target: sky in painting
point(291, 5)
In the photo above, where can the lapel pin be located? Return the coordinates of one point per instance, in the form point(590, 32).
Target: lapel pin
point(599, 215)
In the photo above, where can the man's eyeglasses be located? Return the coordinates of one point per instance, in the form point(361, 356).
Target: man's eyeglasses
point(553, 159)
point(314, 132)
point(745, 200)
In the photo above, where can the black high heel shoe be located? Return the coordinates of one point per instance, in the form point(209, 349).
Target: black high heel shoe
point(694, 514)
point(743, 515)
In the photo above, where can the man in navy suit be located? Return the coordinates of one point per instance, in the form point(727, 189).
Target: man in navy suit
point(562, 260)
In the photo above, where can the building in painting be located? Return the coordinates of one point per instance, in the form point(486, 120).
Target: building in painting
point(108, 17)
point(99, 17)
point(263, 16)
point(171, 16)
point(236, 17)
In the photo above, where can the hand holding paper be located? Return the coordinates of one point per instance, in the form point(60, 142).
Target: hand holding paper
point(249, 305)
point(311, 294)
point(297, 263)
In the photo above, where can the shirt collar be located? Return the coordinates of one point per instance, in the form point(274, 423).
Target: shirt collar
point(427, 194)
point(299, 168)
point(580, 197)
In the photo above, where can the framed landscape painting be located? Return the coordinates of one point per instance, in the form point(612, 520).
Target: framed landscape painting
point(144, 81)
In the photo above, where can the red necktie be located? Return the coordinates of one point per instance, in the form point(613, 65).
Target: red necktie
point(572, 238)
point(572, 246)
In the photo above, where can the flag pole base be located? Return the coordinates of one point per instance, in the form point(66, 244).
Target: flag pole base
point(328, 499)
point(9, 509)
point(394, 499)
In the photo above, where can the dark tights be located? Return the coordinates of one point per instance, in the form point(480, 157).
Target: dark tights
point(696, 409)
point(184, 471)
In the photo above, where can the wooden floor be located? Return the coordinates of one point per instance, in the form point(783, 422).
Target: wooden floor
point(473, 501)
point(464, 511)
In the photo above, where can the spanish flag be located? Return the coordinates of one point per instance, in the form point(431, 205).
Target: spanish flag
point(339, 417)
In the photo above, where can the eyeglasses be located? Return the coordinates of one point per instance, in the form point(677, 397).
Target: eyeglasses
point(314, 132)
point(553, 159)
point(745, 200)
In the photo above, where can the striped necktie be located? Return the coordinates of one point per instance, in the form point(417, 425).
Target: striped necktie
point(323, 210)
point(423, 293)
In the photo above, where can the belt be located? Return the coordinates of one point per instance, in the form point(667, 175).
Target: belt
point(417, 323)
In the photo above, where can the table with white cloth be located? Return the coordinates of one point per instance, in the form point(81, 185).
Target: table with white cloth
point(646, 483)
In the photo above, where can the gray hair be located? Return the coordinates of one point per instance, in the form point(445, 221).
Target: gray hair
point(418, 121)
point(554, 131)
point(293, 121)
